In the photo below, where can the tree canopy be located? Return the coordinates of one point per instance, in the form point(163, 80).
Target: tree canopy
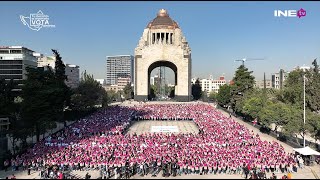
point(243, 81)
point(196, 90)
point(224, 95)
point(88, 94)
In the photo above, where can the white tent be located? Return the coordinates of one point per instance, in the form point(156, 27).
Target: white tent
point(306, 151)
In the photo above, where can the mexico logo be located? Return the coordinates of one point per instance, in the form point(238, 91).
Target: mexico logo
point(36, 21)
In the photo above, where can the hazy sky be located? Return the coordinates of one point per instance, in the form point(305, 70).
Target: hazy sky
point(218, 32)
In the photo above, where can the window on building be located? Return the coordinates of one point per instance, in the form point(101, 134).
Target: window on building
point(16, 51)
point(4, 51)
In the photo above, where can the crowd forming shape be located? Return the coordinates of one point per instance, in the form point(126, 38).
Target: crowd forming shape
point(222, 144)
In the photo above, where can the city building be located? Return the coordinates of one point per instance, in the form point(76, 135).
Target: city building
point(211, 84)
point(260, 84)
point(73, 75)
point(119, 66)
point(122, 82)
point(44, 61)
point(304, 68)
point(111, 88)
point(101, 81)
point(71, 71)
point(14, 60)
point(279, 78)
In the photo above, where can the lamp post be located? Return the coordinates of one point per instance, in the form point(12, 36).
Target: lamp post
point(304, 109)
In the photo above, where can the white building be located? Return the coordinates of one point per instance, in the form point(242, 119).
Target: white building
point(101, 81)
point(14, 60)
point(73, 75)
point(279, 78)
point(211, 84)
point(304, 68)
point(44, 61)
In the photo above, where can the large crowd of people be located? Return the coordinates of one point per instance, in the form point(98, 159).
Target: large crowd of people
point(99, 142)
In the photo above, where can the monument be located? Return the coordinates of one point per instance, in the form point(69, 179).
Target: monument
point(162, 44)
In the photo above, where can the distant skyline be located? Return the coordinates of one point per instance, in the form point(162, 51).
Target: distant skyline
point(218, 33)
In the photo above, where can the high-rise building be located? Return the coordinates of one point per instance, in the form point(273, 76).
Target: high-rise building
point(14, 60)
point(278, 79)
point(73, 75)
point(119, 66)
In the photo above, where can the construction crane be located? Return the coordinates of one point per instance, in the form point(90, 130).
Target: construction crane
point(249, 59)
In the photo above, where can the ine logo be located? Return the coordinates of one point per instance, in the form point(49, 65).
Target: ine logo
point(290, 13)
point(36, 21)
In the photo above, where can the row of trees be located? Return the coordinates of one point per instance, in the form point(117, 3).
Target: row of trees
point(45, 99)
point(283, 108)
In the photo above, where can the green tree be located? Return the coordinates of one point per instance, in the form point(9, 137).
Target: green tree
point(155, 89)
point(63, 93)
point(88, 94)
point(224, 95)
point(196, 90)
point(313, 88)
point(292, 92)
point(128, 91)
point(252, 106)
point(112, 96)
point(213, 96)
point(171, 95)
point(10, 109)
point(243, 81)
point(313, 124)
point(6, 97)
point(38, 93)
point(276, 112)
point(152, 92)
point(204, 96)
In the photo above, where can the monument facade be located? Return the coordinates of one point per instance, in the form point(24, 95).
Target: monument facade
point(162, 44)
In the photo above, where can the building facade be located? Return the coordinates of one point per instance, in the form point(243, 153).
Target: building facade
point(212, 85)
point(122, 82)
point(260, 84)
point(14, 60)
point(101, 81)
point(119, 66)
point(73, 75)
point(44, 61)
point(111, 88)
point(279, 78)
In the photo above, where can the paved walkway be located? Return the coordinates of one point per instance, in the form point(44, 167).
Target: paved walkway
point(145, 126)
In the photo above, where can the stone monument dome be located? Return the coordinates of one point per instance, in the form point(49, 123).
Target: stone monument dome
point(163, 21)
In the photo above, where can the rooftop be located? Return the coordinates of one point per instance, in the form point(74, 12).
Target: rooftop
point(162, 21)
